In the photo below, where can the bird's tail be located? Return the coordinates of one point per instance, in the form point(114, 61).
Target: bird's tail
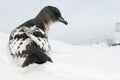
point(35, 55)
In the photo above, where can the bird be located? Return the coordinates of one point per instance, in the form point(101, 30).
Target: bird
point(28, 43)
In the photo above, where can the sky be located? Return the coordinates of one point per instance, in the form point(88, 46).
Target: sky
point(89, 20)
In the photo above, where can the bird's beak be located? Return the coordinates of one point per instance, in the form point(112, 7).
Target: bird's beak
point(62, 20)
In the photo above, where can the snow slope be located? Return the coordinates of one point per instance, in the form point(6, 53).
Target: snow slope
point(70, 63)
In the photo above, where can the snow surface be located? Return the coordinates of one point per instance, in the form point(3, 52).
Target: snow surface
point(84, 62)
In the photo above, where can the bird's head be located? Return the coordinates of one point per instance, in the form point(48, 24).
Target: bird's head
point(51, 14)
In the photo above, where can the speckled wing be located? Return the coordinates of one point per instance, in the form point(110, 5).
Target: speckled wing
point(22, 36)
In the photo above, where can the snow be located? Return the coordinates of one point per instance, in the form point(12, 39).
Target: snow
point(83, 62)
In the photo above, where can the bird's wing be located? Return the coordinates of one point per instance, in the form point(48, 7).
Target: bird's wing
point(33, 37)
point(40, 39)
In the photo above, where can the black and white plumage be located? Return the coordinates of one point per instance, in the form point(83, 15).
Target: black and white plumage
point(29, 43)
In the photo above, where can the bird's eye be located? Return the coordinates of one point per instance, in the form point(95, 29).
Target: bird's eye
point(56, 13)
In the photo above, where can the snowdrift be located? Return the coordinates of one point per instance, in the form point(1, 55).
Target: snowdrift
point(70, 63)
